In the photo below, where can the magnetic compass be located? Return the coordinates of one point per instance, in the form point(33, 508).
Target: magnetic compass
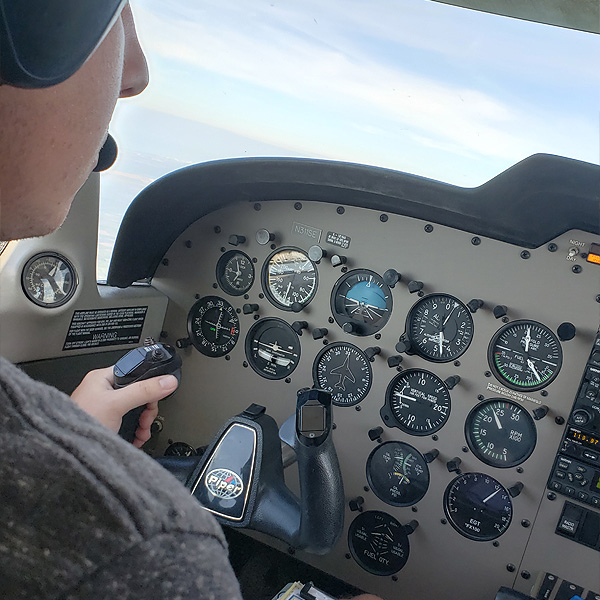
point(343, 370)
point(49, 280)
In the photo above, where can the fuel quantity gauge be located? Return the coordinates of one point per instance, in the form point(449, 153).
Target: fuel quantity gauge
point(525, 355)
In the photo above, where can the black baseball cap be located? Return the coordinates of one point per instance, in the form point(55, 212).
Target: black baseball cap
point(43, 42)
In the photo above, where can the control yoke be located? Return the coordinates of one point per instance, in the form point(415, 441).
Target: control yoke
point(240, 476)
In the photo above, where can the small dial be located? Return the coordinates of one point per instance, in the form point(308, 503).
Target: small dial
point(213, 326)
point(440, 327)
point(500, 433)
point(397, 473)
point(478, 506)
point(343, 370)
point(289, 278)
point(49, 280)
point(361, 302)
point(272, 348)
point(525, 355)
point(378, 543)
point(417, 402)
point(235, 273)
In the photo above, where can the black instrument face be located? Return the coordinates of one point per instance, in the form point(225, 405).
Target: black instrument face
point(343, 370)
point(49, 280)
point(397, 473)
point(289, 278)
point(440, 327)
point(213, 326)
point(478, 506)
point(378, 543)
point(417, 402)
point(361, 302)
point(272, 348)
point(235, 273)
point(525, 355)
point(500, 433)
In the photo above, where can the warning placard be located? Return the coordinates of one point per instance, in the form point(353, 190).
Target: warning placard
point(105, 327)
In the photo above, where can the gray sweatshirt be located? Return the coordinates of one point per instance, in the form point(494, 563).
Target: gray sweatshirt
point(84, 514)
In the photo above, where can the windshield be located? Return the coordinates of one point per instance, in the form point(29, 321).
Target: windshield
point(413, 85)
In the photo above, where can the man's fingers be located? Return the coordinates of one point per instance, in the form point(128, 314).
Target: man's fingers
point(145, 392)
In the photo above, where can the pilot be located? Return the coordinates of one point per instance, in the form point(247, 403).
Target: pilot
point(85, 514)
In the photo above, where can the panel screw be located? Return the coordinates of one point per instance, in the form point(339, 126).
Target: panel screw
point(273, 246)
point(544, 393)
point(288, 380)
point(525, 574)
point(510, 568)
point(559, 420)
point(394, 577)
point(496, 544)
point(576, 269)
point(238, 310)
point(165, 262)
point(525, 254)
point(443, 521)
point(414, 509)
point(298, 205)
point(291, 550)
point(434, 437)
point(552, 247)
point(223, 249)
point(257, 206)
point(519, 469)
point(505, 319)
point(464, 449)
point(344, 269)
point(457, 363)
point(480, 397)
point(340, 210)
point(525, 523)
point(330, 320)
point(227, 357)
point(215, 286)
point(428, 228)
point(383, 218)
point(217, 229)
point(246, 297)
point(377, 336)
point(551, 496)
point(188, 243)
point(421, 294)
point(261, 295)
point(357, 408)
point(245, 365)
point(256, 317)
point(164, 334)
point(197, 296)
point(475, 241)
point(487, 374)
point(347, 556)
point(255, 260)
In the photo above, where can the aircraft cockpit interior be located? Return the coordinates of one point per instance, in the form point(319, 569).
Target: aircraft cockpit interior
point(389, 384)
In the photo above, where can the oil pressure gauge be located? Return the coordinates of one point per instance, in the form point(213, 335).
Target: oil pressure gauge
point(49, 280)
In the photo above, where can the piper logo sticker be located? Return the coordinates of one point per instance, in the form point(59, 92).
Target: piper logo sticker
point(224, 483)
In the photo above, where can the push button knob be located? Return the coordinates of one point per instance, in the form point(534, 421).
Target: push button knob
point(356, 504)
point(453, 465)
point(248, 309)
point(474, 305)
point(319, 332)
point(415, 286)
point(391, 277)
point(452, 381)
point(375, 434)
point(236, 240)
point(298, 326)
point(372, 351)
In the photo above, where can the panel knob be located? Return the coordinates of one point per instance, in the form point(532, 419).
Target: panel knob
point(264, 236)
point(337, 260)
point(500, 311)
point(183, 343)
point(540, 412)
point(296, 307)
point(349, 327)
point(316, 253)
point(319, 332)
point(248, 309)
point(356, 504)
point(394, 361)
point(375, 434)
point(402, 346)
point(431, 455)
point(474, 305)
point(391, 277)
point(410, 527)
point(515, 490)
point(453, 465)
point(372, 351)
point(298, 326)
point(415, 286)
point(236, 240)
point(452, 381)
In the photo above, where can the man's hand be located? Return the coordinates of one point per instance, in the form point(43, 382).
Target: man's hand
point(95, 395)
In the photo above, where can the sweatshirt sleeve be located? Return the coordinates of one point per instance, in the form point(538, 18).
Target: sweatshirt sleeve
point(169, 566)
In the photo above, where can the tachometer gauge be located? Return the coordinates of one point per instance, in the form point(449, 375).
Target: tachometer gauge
point(343, 370)
point(213, 326)
point(478, 506)
point(417, 402)
point(235, 273)
point(525, 355)
point(49, 280)
point(440, 327)
point(378, 543)
point(289, 278)
point(361, 302)
point(397, 473)
point(272, 348)
point(500, 433)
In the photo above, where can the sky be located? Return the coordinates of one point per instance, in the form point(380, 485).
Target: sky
point(412, 85)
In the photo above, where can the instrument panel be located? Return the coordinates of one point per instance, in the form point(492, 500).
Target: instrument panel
point(450, 383)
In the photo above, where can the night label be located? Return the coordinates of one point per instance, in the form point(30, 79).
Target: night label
point(337, 239)
point(105, 327)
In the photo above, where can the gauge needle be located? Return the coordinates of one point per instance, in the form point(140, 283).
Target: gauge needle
point(533, 369)
point(285, 296)
point(441, 342)
point(527, 339)
point(491, 496)
point(497, 419)
point(448, 315)
point(403, 477)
